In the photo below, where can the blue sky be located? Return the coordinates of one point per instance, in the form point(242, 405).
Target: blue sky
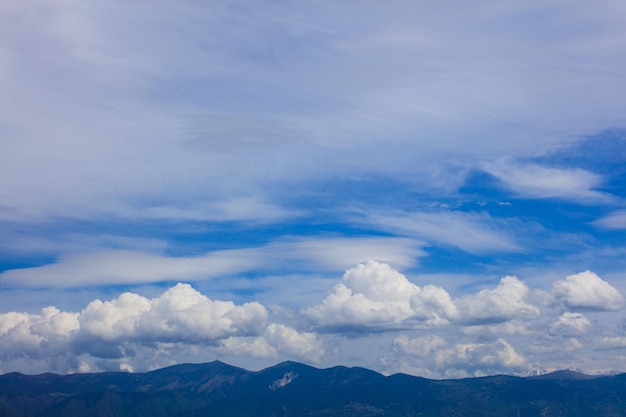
point(410, 187)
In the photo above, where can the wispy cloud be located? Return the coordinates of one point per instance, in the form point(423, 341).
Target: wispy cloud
point(615, 220)
point(471, 232)
point(113, 267)
point(536, 181)
point(106, 121)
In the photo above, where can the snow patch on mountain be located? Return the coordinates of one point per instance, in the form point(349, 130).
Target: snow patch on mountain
point(286, 379)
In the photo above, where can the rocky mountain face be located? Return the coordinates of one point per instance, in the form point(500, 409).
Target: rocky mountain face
point(293, 389)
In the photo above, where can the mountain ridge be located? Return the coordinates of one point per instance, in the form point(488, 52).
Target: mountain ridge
point(294, 389)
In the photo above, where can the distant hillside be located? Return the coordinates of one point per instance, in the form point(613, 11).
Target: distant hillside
point(292, 389)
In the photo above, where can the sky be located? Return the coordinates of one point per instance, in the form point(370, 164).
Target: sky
point(434, 188)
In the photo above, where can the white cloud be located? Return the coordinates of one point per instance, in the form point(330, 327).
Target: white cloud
point(22, 242)
point(507, 301)
point(106, 143)
point(179, 314)
point(177, 320)
point(615, 342)
point(432, 333)
point(107, 329)
point(290, 342)
point(471, 232)
point(536, 181)
point(375, 296)
point(170, 112)
point(251, 209)
point(46, 335)
point(460, 359)
point(614, 220)
point(587, 291)
point(278, 340)
point(570, 324)
point(127, 266)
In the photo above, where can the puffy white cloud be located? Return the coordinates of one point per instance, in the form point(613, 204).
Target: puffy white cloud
point(376, 297)
point(570, 324)
point(303, 345)
point(507, 301)
point(277, 340)
point(432, 334)
point(587, 291)
point(180, 314)
point(460, 359)
point(44, 335)
point(500, 353)
point(109, 334)
point(430, 346)
point(115, 319)
point(116, 329)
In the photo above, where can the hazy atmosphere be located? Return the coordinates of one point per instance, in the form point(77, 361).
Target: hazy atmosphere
point(435, 188)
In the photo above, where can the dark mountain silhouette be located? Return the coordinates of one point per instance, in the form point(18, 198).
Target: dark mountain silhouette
point(292, 389)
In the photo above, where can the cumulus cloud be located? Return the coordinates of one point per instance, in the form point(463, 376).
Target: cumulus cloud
point(587, 291)
point(490, 328)
point(47, 333)
point(180, 314)
point(460, 359)
point(375, 296)
point(505, 302)
point(425, 346)
point(278, 339)
point(570, 324)
point(115, 329)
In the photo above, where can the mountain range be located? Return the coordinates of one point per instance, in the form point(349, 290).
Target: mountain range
point(293, 389)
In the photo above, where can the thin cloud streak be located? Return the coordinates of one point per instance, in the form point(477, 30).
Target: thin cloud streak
point(115, 267)
point(471, 232)
point(535, 181)
point(615, 220)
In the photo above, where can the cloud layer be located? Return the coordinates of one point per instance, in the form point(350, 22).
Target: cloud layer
point(257, 150)
point(200, 112)
point(431, 332)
